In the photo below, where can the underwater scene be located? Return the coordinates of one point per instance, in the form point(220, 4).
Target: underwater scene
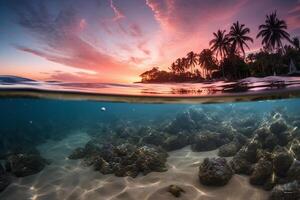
point(149, 100)
point(88, 150)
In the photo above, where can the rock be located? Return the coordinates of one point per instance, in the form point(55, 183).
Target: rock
point(129, 160)
point(262, 133)
point(278, 127)
point(25, 164)
point(240, 139)
point(241, 166)
point(101, 165)
point(175, 190)
point(295, 148)
point(182, 122)
point(214, 172)
point(78, 153)
point(4, 179)
point(270, 142)
point(246, 126)
point(249, 151)
point(262, 172)
point(294, 171)
point(271, 182)
point(289, 191)
point(150, 159)
point(280, 130)
point(282, 160)
point(228, 150)
point(207, 141)
point(154, 138)
point(175, 142)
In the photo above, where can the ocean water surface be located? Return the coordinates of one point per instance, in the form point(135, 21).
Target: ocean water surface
point(115, 141)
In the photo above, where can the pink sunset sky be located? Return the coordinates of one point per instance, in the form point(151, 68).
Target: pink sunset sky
point(116, 40)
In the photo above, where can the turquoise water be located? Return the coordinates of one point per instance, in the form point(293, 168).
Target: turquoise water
point(54, 145)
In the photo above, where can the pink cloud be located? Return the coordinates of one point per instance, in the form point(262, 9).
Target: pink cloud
point(118, 13)
point(60, 42)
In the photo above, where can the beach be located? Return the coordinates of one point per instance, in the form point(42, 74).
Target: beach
point(70, 180)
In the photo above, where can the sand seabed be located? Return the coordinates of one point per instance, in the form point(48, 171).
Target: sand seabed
point(67, 179)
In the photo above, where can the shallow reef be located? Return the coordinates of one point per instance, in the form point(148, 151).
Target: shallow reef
point(264, 147)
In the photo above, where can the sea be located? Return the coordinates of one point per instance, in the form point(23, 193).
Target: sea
point(94, 141)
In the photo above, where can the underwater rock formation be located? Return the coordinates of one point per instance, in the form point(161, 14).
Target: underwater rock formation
point(282, 160)
point(125, 159)
point(4, 179)
point(289, 191)
point(178, 141)
point(25, 164)
point(294, 171)
point(270, 156)
point(261, 172)
point(230, 149)
point(208, 141)
point(214, 172)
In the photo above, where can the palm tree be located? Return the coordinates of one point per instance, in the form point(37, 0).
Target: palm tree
point(185, 64)
point(192, 60)
point(219, 45)
point(296, 43)
point(238, 37)
point(173, 68)
point(273, 32)
point(179, 65)
point(207, 61)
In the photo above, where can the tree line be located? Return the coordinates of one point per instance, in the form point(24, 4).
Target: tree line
point(226, 57)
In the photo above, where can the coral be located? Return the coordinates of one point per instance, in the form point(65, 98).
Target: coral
point(214, 172)
point(125, 159)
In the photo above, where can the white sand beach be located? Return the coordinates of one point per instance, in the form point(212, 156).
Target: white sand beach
point(67, 179)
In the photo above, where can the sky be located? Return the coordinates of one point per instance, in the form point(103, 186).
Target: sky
point(116, 40)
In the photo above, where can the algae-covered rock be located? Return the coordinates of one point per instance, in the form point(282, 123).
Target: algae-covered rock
point(214, 172)
point(262, 171)
point(289, 191)
point(282, 160)
point(174, 142)
point(228, 150)
point(25, 164)
point(208, 141)
point(278, 127)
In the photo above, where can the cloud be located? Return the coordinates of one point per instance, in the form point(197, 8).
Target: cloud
point(190, 14)
point(60, 41)
point(71, 77)
point(293, 17)
point(118, 13)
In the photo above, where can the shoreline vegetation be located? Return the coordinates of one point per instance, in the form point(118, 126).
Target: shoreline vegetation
point(225, 59)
